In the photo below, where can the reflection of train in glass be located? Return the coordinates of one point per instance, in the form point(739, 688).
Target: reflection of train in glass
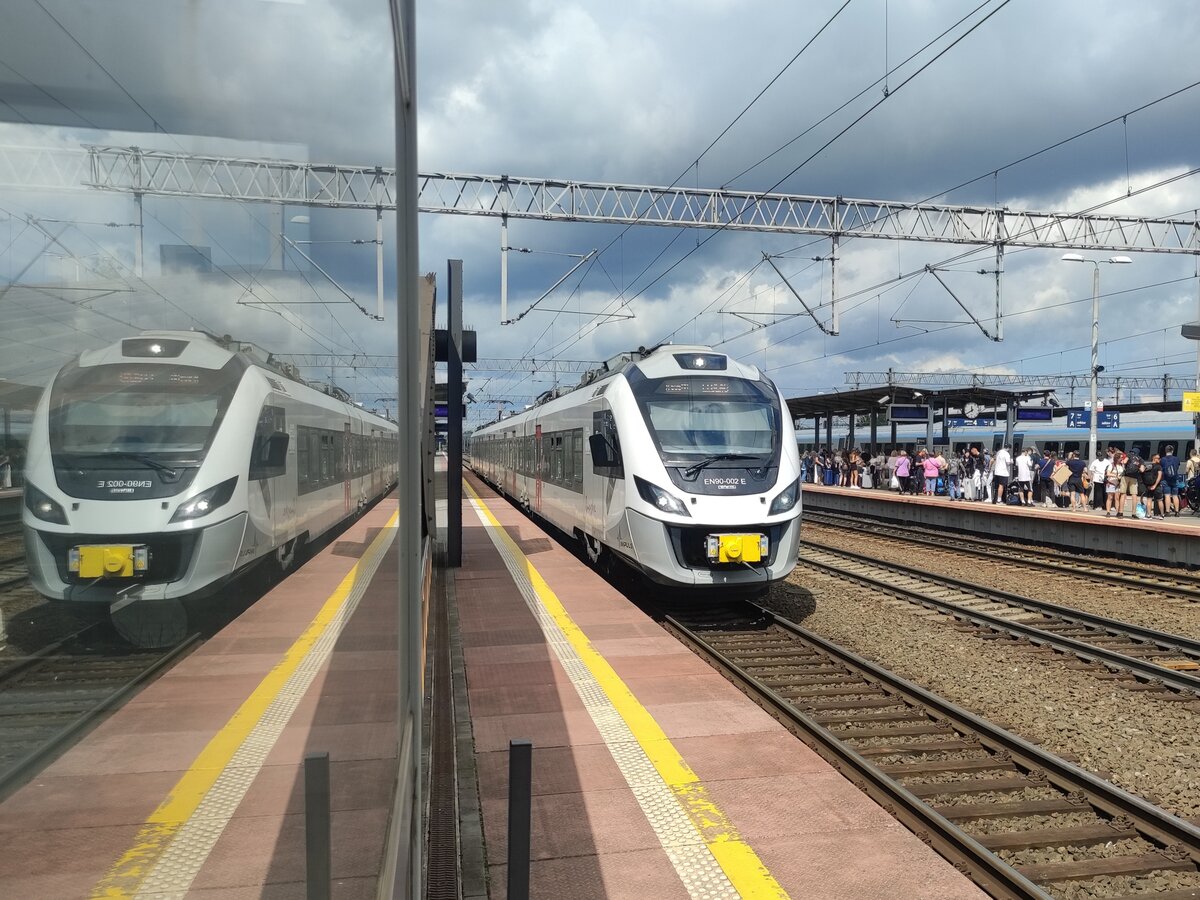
point(678, 460)
point(1148, 431)
point(162, 465)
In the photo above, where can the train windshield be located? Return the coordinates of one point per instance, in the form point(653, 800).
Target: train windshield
point(700, 417)
point(132, 411)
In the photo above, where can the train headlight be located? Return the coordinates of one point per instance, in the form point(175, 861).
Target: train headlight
point(659, 498)
point(43, 507)
point(205, 502)
point(786, 499)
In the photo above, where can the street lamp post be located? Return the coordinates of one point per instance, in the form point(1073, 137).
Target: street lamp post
point(1092, 416)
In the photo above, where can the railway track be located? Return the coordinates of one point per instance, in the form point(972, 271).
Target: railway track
point(13, 571)
point(1179, 583)
point(1018, 820)
point(50, 698)
point(1167, 666)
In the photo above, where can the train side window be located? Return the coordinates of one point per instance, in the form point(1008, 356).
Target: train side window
point(604, 438)
point(577, 460)
point(268, 451)
point(1143, 449)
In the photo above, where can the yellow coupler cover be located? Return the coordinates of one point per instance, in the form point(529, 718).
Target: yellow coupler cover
point(106, 562)
point(739, 548)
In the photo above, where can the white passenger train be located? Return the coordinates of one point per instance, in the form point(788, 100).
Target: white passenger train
point(678, 460)
point(161, 466)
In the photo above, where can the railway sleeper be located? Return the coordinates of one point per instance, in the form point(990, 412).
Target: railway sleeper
point(846, 705)
point(1075, 836)
point(899, 730)
point(941, 766)
point(1086, 869)
point(966, 811)
point(973, 786)
point(826, 717)
point(914, 748)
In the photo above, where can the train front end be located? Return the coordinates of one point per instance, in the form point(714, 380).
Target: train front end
point(713, 473)
point(126, 497)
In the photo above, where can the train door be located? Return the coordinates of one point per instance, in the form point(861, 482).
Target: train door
point(347, 465)
point(270, 502)
point(537, 468)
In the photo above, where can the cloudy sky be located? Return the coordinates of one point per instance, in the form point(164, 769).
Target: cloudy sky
point(637, 94)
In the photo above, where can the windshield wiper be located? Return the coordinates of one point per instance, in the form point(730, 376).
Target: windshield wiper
point(169, 471)
point(693, 470)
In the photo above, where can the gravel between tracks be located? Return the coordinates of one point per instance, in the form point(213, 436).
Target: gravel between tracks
point(1147, 608)
point(1150, 747)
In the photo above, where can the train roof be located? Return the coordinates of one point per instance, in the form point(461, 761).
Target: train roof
point(203, 350)
point(654, 362)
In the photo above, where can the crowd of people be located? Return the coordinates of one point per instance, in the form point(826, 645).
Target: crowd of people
point(1116, 482)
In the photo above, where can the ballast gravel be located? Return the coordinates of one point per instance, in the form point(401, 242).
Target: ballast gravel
point(1149, 747)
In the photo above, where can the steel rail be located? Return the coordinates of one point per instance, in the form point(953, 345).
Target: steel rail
point(1186, 585)
point(1146, 671)
point(1148, 820)
point(984, 867)
point(16, 775)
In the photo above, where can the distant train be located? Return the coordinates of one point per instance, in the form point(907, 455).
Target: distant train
point(678, 460)
point(163, 465)
point(1149, 432)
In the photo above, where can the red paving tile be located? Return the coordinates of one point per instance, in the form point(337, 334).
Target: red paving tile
point(590, 837)
point(65, 829)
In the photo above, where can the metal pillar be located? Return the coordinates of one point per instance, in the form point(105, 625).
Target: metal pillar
point(379, 262)
point(874, 432)
point(835, 319)
point(817, 426)
point(1196, 416)
point(1095, 362)
point(998, 325)
point(139, 249)
point(850, 444)
point(454, 413)
point(1010, 415)
point(405, 848)
point(946, 422)
point(893, 431)
point(829, 432)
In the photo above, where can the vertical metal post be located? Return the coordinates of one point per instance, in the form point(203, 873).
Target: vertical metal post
point(454, 413)
point(318, 833)
point(829, 432)
point(407, 876)
point(816, 432)
point(1196, 416)
point(139, 249)
point(379, 261)
point(946, 422)
point(874, 432)
point(835, 318)
point(520, 804)
point(998, 325)
point(1095, 360)
point(850, 439)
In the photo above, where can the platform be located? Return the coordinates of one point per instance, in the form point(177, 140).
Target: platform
point(652, 775)
point(195, 787)
point(1172, 541)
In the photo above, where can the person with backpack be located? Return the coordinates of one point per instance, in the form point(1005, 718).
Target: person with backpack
point(1170, 481)
point(1152, 478)
point(1131, 482)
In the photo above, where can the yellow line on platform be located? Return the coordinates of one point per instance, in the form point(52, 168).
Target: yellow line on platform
point(127, 875)
point(747, 873)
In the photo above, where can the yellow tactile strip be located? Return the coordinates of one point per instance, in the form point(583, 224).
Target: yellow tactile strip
point(710, 857)
point(177, 838)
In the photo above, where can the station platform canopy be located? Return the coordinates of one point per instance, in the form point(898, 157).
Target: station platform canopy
point(866, 400)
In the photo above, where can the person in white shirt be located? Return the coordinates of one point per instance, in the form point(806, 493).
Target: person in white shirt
point(1001, 470)
point(1025, 477)
point(1096, 469)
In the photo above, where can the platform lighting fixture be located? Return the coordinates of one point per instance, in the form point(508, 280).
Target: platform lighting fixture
point(1096, 368)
